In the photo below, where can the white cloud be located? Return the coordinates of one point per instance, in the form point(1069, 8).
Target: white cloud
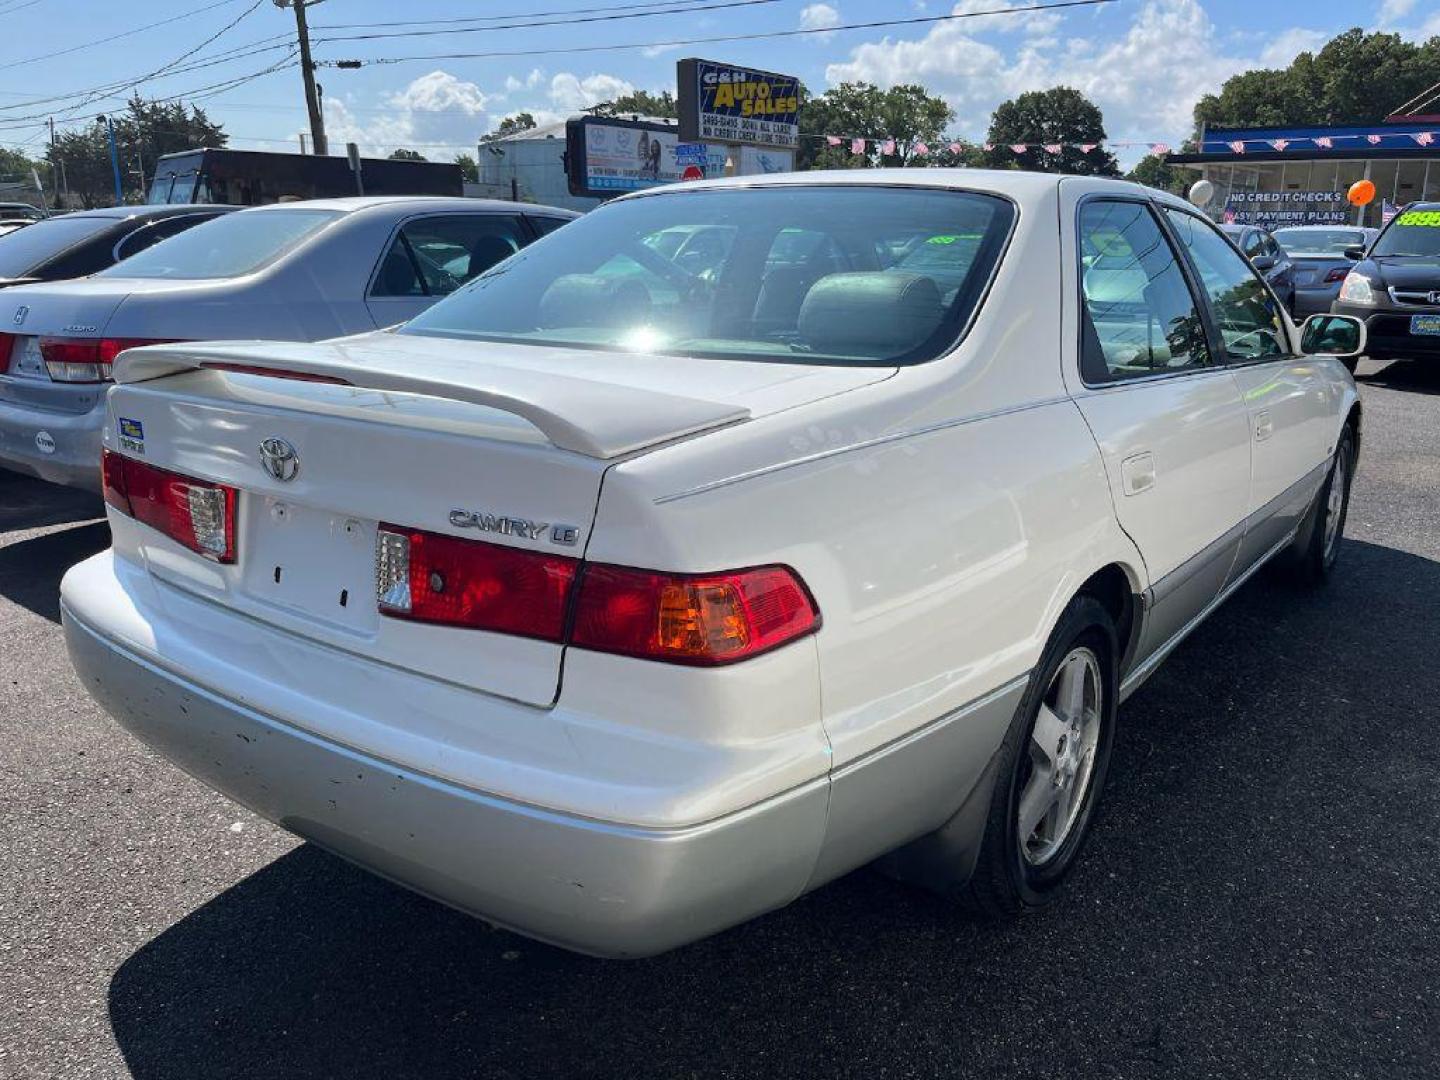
point(1146, 81)
point(819, 17)
point(440, 91)
point(1288, 44)
point(1392, 11)
point(571, 93)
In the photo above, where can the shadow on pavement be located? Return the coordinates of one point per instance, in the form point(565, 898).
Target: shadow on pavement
point(1258, 894)
point(1413, 376)
point(30, 570)
point(27, 503)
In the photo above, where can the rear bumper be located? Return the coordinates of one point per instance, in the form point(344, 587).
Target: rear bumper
point(63, 448)
point(1388, 333)
point(1317, 300)
point(599, 887)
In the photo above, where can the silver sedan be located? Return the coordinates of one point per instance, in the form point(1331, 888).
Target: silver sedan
point(301, 271)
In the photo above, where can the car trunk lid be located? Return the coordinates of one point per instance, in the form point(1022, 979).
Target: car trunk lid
point(457, 438)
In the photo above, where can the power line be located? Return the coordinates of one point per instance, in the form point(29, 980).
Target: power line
point(872, 25)
point(9, 64)
point(510, 15)
point(708, 5)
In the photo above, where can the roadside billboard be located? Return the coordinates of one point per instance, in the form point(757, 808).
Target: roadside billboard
point(732, 104)
point(605, 156)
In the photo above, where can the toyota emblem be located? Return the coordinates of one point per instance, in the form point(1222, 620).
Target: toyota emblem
point(279, 459)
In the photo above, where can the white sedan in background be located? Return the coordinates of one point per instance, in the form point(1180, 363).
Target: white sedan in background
point(618, 603)
point(299, 271)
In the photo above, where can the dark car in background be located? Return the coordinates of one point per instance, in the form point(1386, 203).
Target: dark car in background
point(86, 242)
point(1319, 253)
point(1267, 257)
point(1395, 287)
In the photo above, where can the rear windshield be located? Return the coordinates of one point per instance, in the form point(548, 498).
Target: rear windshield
point(1415, 232)
point(1319, 241)
point(823, 275)
point(27, 249)
point(229, 246)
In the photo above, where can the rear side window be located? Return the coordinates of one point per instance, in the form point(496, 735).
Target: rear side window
point(1139, 317)
point(800, 274)
point(229, 246)
point(544, 226)
point(1245, 309)
point(156, 231)
point(434, 256)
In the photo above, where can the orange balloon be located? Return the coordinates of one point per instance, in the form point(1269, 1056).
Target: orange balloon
point(1361, 193)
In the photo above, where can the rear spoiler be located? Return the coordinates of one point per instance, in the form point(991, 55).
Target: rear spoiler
point(596, 419)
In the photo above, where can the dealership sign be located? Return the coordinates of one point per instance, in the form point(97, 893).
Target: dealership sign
point(730, 104)
point(605, 156)
point(1274, 209)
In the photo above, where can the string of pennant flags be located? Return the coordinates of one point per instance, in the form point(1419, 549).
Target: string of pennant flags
point(888, 146)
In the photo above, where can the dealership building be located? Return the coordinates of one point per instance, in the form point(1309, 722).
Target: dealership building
point(1299, 175)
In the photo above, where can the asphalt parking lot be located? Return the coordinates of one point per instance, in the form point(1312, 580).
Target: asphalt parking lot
point(1259, 898)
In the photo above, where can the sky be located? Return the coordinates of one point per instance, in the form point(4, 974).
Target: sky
point(1144, 62)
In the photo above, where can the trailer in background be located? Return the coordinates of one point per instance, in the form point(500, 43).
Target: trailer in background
point(253, 177)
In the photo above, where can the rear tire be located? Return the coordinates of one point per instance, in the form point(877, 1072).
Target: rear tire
point(1051, 768)
point(1317, 544)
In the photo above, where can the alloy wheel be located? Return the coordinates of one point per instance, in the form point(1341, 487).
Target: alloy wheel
point(1061, 757)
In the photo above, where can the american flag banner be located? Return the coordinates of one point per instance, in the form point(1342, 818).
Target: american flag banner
point(956, 147)
point(1373, 140)
point(1019, 148)
point(1424, 138)
point(1229, 216)
point(888, 147)
point(1325, 142)
point(1280, 144)
point(857, 146)
point(833, 140)
point(1052, 148)
point(1159, 149)
point(989, 146)
point(921, 150)
point(1238, 146)
point(1086, 147)
point(1387, 211)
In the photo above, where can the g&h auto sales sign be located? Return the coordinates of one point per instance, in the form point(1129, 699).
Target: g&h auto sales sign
point(730, 104)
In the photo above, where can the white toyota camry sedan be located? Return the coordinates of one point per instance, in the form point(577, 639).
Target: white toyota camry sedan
point(620, 597)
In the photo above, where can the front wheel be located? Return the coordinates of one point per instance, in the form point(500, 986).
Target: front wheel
point(1051, 768)
point(1317, 544)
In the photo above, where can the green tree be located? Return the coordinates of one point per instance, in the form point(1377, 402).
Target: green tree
point(469, 169)
point(510, 125)
point(1357, 78)
point(640, 103)
point(1059, 115)
point(905, 113)
point(402, 154)
point(146, 131)
point(1152, 171)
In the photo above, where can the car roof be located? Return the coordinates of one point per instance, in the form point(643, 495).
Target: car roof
point(378, 203)
point(148, 213)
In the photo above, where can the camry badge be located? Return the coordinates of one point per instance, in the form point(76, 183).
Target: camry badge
point(279, 459)
point(20, 313)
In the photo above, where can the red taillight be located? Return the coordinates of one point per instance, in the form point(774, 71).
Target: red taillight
point(702, 619)
point(196, 513)
point(434, 578)
point(7, 343)
point(82, 360)
point(1336, 274)
point(691, 618)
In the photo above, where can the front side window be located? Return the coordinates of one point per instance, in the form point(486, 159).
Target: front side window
point(792, 274)
point(1415, 232)
point(434, 256)
point(1139, 317)
point(229, 246)
point(1247, 312)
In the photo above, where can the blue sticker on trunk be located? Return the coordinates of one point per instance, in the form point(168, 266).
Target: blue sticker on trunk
point(132, 429)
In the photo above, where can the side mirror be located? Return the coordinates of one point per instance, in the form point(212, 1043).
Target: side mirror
point(1332, 335)
point(1356, 253)
point(1263, 263)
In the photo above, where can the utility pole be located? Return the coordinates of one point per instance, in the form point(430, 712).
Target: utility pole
point(307, 72)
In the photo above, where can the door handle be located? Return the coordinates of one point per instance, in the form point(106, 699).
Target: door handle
point(1263, 427)
point(1137, 473)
